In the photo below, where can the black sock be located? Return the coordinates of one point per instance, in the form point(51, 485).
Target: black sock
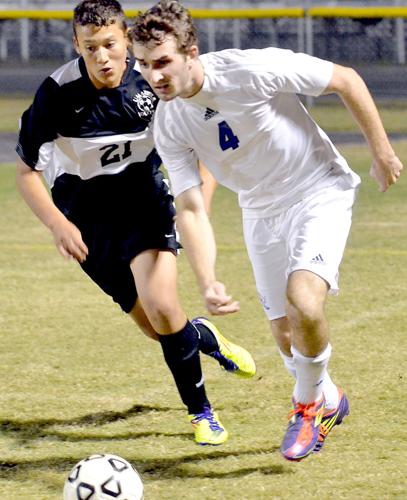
point(181, 352)
point(207, 340)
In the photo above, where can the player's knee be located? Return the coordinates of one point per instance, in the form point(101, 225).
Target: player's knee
point(160, 310)
point(306, 310)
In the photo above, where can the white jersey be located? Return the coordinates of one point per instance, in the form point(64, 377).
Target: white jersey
point(250, 129)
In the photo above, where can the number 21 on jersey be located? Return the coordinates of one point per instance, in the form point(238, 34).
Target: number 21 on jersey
point(227, 139)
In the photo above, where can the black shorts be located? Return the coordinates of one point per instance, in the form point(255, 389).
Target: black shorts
point(119, 216)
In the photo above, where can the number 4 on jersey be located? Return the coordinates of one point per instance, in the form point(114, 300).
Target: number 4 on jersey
point(227, 139)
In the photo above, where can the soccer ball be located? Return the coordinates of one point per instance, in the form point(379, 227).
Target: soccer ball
point(103, 477)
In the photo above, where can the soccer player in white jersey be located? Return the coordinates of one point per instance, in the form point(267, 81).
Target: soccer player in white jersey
point(88, 133)
point(238, 111)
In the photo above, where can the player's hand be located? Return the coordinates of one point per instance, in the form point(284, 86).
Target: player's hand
point(68, 240)
point(217, 301)
point(386, 173)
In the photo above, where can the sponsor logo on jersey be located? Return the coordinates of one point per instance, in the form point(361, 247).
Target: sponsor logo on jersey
point(145, 103)
point(210, 113)
point(318, 259)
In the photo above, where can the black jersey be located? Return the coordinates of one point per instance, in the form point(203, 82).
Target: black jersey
point(74, 128)
point(95, 149)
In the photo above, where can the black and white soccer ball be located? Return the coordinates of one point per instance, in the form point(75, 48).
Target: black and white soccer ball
point(103, 477)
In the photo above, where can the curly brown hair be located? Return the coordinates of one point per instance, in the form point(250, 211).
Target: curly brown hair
point(166, 18)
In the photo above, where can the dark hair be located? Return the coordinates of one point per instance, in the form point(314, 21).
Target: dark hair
point(165, 18)
point(98, 13)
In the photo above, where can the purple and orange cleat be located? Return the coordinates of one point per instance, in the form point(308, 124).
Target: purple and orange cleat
point(330, 418)
point(303, 430)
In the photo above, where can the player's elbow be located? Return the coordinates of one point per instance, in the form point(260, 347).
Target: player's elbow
point(344, 79)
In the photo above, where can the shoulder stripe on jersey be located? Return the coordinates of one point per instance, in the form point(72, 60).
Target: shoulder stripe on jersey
point(67, 73)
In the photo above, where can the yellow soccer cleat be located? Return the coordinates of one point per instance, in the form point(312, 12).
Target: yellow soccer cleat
point(230, 356)
point(208, 428)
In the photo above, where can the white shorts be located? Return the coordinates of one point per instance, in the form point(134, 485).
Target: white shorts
point(310, 235)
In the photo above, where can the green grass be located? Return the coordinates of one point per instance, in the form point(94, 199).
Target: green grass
point(332, 116)
point(10, 111)
point(76, 377)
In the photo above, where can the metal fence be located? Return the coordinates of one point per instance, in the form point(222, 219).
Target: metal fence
point(341, 33)
point(358, 33)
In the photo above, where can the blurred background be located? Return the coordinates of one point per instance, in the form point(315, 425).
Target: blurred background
point(370, 35)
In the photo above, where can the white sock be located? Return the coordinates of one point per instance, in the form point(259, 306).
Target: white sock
point(288, 363)
point(331, 394)
point(311, 373)
point(329, 389)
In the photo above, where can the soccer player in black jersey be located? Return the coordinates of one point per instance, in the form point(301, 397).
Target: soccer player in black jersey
point(88, 134)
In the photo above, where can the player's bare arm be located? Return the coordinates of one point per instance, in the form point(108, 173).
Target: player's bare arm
point(208, 187)
point(67, 236)
point(199, 242)
point(386, 166)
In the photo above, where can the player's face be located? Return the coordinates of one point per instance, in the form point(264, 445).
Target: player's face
point(104, 50)
point(169, 72)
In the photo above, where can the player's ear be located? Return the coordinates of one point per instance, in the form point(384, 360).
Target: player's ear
point(193, 52)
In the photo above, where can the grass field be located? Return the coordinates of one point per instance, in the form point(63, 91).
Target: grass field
point(76, 377)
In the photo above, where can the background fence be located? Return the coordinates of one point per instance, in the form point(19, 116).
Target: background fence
point(368, 36)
